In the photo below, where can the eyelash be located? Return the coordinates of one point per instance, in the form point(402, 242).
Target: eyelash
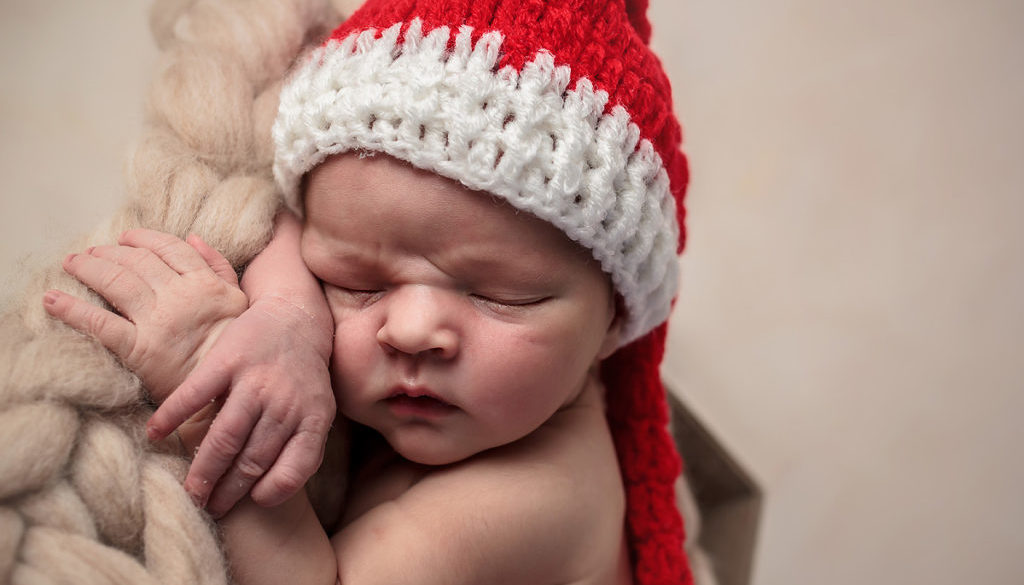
point(509, 303)
point(361, 295)
point(358, 291)
point(368, 294)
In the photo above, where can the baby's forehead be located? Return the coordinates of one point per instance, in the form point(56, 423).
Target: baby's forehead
point(355, 187)
point(371, 207)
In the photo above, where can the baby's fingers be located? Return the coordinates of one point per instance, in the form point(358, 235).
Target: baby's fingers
point(120, 285)
point(201, 387)
point(113, 331)
point(214, 259)
point(221, 452)
point(177, 254)
point(298, 461)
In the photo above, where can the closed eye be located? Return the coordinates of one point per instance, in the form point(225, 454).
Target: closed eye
point(360, 296)
point(509, 301)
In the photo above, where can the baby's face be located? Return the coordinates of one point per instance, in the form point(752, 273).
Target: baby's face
point(461, 324)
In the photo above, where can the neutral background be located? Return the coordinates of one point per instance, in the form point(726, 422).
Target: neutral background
point(852, 311)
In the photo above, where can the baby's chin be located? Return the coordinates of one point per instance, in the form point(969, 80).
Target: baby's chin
point(425, 453)
point(433, 457)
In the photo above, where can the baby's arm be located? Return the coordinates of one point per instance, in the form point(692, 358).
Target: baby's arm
point(505, 529)
point(272, 361)
point(532, 512)
point(462, 537)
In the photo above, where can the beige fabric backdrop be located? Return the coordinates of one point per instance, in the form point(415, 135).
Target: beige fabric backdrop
point(853, 301)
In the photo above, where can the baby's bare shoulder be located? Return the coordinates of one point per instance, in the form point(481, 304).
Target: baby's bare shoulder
point(555, 497)
point(546, 509)
point(571, 457)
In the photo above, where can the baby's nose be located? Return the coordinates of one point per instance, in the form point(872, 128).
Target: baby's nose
point(417, 323)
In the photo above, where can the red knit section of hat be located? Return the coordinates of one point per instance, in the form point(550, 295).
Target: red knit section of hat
point(638, 417)
point(602, 40)
point(637, 11)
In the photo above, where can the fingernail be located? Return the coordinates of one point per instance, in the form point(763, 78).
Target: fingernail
point(50, 298)
point(197, 497)
point(69, 257)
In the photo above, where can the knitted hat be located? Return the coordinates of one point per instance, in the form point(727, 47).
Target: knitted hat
point(560, 108)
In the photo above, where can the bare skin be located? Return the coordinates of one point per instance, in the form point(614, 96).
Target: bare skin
point(198, 342)
point(469, 336)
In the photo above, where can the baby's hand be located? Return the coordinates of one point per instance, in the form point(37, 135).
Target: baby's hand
point(264, 367)
point(172, 299)
point(272, 364)
point(271, 429)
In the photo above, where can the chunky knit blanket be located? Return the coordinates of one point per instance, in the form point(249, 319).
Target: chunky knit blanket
point(84, 497)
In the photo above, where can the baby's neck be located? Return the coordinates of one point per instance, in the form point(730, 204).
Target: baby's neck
point(377, 473)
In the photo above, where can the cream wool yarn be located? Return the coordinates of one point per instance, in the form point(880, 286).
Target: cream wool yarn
point(84, 497)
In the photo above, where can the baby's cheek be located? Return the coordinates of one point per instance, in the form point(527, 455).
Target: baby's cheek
point(346, 382)
point(352, 341)
point(353, 326)
point(557, 358)
point(518, 375)
point(351, 355)
point(550, 348)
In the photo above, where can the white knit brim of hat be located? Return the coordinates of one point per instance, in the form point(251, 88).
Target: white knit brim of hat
point(521, 135)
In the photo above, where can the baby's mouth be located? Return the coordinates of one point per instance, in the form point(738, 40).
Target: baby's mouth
point(418, 403)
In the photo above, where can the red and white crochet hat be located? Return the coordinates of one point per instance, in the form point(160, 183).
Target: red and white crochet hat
point(560, 108)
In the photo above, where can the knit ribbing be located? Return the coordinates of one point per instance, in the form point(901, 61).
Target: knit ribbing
point(596, 38)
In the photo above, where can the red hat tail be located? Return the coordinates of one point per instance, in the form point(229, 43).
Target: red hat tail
point(636, 10)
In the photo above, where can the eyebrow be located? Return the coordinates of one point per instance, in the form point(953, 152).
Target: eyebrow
point(506, 269)
point(464, 263)
point(333, 256)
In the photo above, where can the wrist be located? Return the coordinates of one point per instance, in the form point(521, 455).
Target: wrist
point(312, 320)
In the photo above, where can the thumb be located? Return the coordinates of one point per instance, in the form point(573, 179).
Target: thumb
point(214, 259)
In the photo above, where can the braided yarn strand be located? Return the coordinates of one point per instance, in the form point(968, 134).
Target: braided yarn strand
point(84, 497)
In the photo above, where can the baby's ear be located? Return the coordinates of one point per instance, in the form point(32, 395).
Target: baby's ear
point(612, 335)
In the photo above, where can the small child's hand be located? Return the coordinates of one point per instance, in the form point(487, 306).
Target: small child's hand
point(187, 330)
point(172, 300)
point(271, 363)
point(270, 432)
